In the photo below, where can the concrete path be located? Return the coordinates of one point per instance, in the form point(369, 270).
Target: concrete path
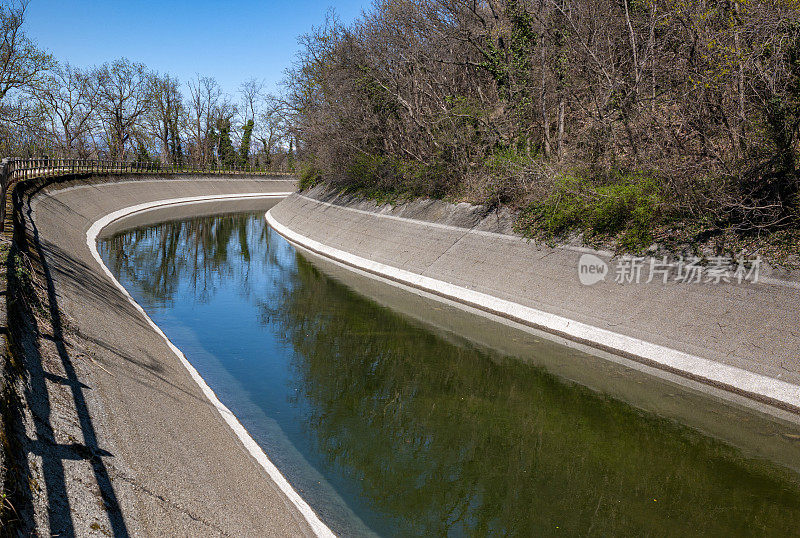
point(744, 338)
point(161, 459)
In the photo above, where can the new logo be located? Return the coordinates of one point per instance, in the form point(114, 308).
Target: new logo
point(591, 269)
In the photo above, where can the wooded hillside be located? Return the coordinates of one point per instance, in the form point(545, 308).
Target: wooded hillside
point(612, 116)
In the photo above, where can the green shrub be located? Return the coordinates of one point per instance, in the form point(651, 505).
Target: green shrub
point(366, 169)
point(507, 161)
point(309, 175)
point(388, 179)
point(563, 210)
point(626, 208)
point(506, 170)
point(428, 179)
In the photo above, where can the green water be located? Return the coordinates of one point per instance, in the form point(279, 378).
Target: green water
point(386, 424)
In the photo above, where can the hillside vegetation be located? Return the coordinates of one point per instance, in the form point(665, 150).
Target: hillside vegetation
point(638, 120)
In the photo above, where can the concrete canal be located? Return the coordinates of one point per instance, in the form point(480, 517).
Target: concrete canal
point(397, 415)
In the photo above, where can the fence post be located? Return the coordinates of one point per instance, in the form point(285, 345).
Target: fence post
point(5, 179)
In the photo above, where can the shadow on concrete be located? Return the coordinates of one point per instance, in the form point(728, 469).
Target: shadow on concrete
point(52, 454)
point(85, 282)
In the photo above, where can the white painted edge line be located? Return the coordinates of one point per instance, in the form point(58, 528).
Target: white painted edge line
point(317, 526)
point(508, 237)
point(698, 367)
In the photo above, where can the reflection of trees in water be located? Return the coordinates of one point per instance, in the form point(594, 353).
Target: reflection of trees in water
point(459, 440)
point(157, 258)
point(444, 438)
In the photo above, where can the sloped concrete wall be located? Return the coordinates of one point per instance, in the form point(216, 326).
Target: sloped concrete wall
point(121, 439)
point(742, 337)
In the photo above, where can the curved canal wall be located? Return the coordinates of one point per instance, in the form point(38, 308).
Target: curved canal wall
point(117, 436)
point(117, 433)
point(739, 340)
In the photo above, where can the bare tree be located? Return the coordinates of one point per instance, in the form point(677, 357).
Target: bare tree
point(502, 98)
point(251, 93)
point(67, 101)
point(22, 66)
point(205, 97)
point(271, 127)
point(122, 100)
point(166, 119)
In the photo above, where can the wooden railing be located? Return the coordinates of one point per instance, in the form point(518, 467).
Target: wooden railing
point(13, 170)
point(27, 168)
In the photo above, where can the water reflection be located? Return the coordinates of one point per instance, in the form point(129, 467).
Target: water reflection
point(158, 258)
point(423, 433)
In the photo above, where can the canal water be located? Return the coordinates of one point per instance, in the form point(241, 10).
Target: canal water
point(392, 415)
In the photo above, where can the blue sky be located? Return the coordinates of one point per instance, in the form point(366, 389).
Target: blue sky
point(230, 40)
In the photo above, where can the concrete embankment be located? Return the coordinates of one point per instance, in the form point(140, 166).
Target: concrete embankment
point(739, 341)
point(116, 434)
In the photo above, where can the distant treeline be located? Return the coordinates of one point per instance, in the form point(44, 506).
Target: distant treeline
point(122, 110)
point(611, 115)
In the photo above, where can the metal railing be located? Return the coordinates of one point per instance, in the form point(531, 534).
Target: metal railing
point(13, 170)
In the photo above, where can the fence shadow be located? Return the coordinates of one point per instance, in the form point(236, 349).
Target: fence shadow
point(53, 454)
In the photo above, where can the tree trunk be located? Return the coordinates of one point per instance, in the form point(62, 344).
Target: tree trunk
point(561, 112)
point(740, 117)
point(545, 119)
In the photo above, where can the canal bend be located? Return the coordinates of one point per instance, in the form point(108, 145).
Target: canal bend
point(389, 425)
